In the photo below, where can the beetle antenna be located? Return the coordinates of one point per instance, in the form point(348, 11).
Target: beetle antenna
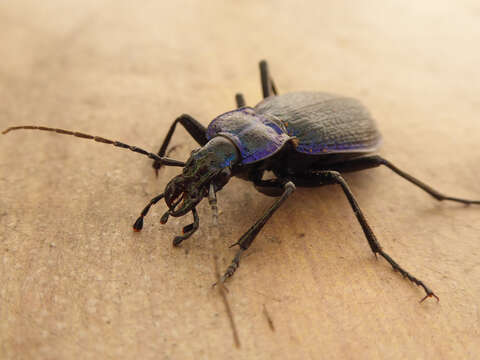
point(162, 160)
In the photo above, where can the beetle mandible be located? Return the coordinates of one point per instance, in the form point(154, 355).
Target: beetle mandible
point(305, 138)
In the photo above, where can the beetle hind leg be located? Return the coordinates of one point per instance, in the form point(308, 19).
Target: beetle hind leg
point(268, 86)
point(367, 162)
point(427, 188)
point(240, 100)
point(334, 177)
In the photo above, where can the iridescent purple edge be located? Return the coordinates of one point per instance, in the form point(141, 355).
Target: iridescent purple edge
point(323, 148)
point(279, 137)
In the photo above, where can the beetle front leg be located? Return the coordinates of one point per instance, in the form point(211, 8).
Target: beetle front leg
point(194, 128)
point(334, 177)
point(246, 240)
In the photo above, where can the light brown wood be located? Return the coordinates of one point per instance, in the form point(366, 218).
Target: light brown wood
point(77, 283)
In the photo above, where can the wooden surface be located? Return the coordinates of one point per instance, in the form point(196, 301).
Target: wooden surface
point(76, 282)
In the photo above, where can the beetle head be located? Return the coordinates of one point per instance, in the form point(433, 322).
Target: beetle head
point(208, 165)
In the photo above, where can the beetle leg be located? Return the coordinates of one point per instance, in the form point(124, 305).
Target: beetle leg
point(270, 187)
point(334, 177)
point(268, 86)
point(194, 128)
point(375, 160)
point(246, 240)
point(240, 100)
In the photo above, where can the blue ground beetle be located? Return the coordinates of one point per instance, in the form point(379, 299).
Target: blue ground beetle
point(305, 138)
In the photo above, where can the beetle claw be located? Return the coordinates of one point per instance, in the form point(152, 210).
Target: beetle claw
point(431, 294)
point(221, 282)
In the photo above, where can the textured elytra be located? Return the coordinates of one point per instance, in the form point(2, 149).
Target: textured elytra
point(323, 123)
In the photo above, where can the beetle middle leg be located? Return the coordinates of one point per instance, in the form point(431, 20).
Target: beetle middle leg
point(246, 239)
point(194, 128)
point(334, 177)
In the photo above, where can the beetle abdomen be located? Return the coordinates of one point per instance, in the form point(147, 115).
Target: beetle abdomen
point(323, 123)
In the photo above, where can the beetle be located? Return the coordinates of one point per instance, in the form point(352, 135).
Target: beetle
point(306, 139)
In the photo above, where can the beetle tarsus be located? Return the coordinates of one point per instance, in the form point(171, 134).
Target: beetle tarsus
point(233, 266)
point(246, 239)
point(221, 282)
point(429, 294)
point(334, 177)
point(407, 275)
